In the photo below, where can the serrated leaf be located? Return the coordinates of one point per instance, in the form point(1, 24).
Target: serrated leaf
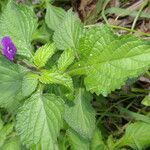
point(81, 116)
point(77, 141)
point(18, 22)
point(146, 100)
point(53, 77)
point(68, 32)
point(136, 136)
point(29, 84)
point(108, 60)
point(15, 83)
point(43, 54)
point(66, 59)
point(40, 120)
point(54, 16)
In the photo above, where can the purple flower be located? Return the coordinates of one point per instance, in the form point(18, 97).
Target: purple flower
point(8, 48)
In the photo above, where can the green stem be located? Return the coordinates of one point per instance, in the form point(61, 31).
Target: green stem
point(121, 28)
point(76, 71)
point(130, 30)
point(140, 90)
point(99, 119)
point(112, 115)
point(30, 67)
point(138, 14)
point(103, 11)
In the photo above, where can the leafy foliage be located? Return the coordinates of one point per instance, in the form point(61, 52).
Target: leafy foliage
point(16, 83)
point(6, 130)
point(66, 59)
point(110, 59)
point(68, 32)
point(136, 136)
point(19, 22)
point(40, 119)
point(146, 100)
point(12, 144)
point(97, 141)
point(81, 116)
point(43, 54)
point(52, 99)
point(54, 16)
point(76, 141)
point(50, 77)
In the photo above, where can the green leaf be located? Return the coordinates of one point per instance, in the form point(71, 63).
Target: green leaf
point(77, 141)
point(29, 84)
point(108, 60)
point(43, 54)
point(18, 22)
point(61, 91)
point(97, 141)
point(15, 83)
point(53, 77)
point(146, 100)
point(6, 130)
point(136, 136)
point(40, 120)
point(111, 142)
point(66, 59)
point(3, 4)
point(81, 116)
point(42, 34)
point(12, 144)
point(1, 122)
point(133, 115)
point(54, 16)
point(68, 33)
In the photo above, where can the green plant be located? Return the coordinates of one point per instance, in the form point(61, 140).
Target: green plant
point(49, 92)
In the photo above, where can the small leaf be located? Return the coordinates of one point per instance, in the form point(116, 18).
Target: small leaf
point(15, 83)
point(66, 59)
point(54, 16)
point(136, 136)
point(108, 60)
point(68, 32)
point(6, 130)
point(29, 84)
point(77, 141)
point(40, 120)
point(97, 141)
point(1, 123)
point(42, 34)
point(110, 142)
point(18, 22)
point(146, 100)
point(12, 144)
point(81, 116)
point(43, 54)
point(53, 77)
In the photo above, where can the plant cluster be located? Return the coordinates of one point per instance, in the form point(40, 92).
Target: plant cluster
point(49, 92)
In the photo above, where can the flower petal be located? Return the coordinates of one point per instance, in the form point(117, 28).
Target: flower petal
point(8, 48)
